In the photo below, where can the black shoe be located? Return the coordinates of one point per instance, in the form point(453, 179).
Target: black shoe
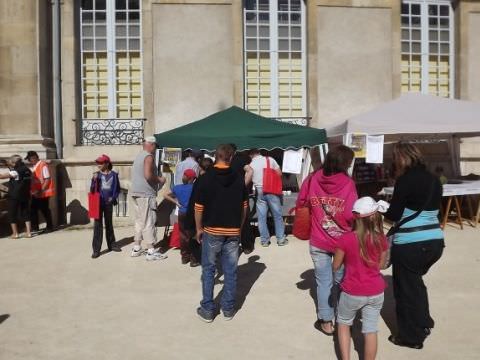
point(194, 263)
point(185, 260)
point(247, 251)
point(427, 331)
point(114, 248)
point(204, 315)
point(400, 342)
point(95, 255)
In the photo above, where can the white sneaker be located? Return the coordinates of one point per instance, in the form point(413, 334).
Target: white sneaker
point(136, 253)
point(155, 256)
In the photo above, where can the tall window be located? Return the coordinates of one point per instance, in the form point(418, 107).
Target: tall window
point(275, 62)
point(428, 47)
point(111, 51)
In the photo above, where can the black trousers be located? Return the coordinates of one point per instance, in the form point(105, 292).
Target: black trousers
point(40, 204)
point(18, 211)
point(410, 262)
point(106, 213)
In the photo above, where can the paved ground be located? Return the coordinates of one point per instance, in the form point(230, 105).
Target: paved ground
point(57, 303)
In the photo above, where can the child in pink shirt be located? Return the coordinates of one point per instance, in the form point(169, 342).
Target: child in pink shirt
point(363, 252)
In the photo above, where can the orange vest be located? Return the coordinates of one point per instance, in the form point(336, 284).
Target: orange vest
point(38, 179)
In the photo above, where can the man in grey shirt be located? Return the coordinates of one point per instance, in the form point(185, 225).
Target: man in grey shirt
point(145, 185)
point(188, 163)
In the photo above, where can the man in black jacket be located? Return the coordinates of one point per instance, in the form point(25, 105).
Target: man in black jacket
point(221, 202)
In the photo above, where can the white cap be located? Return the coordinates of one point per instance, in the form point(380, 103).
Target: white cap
point(150, 139)
point(366, 206)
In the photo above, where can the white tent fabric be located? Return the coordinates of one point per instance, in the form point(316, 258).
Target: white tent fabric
point(415, 114)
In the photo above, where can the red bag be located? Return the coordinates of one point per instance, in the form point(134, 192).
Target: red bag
point(175, 237)
point(272, 181)
point(302, 223)
point(94, 205)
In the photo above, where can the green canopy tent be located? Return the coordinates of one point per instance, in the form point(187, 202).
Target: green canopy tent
point(242, 128)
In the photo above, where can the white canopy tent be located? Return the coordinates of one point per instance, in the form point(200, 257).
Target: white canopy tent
point(417, 117)
point(415, 114)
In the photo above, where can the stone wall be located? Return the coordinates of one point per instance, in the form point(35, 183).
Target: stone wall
point(353, 48)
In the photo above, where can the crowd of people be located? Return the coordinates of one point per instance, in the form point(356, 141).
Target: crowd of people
point(348, 246)
point(30, 188)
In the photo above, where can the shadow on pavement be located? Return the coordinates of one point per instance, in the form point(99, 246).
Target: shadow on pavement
point(120, 243)
point(247, 275)
point(4, 317)
point(308, 283)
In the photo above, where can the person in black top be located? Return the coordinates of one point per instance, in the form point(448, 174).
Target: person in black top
point(205, 164)
point(221, 201)
point(417, 244)
point(20, 178)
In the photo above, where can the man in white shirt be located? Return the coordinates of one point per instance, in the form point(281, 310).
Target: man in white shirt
point(188, 163)
point(267, 201)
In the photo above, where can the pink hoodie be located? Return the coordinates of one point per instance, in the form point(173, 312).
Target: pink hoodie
point(331, 200)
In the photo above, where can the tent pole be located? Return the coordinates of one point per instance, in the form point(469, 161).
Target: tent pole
point(454, 149)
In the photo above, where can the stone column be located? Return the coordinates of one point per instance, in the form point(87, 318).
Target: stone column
point(26, 121)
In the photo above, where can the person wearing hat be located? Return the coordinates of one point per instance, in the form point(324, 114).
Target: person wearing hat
point(188, 163)
point(145, 184)
point(42, 189)
point(105, 181)
point(363, 252)
point(180, 196)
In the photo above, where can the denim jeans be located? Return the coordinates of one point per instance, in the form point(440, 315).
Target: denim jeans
point(324, 275)
point(226, 247)
point(272, 202)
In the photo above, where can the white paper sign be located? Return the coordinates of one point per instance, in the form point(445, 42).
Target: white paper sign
point(375, 149)
point(292, 161)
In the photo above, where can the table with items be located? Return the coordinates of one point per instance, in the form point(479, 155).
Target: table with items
point(454, 194)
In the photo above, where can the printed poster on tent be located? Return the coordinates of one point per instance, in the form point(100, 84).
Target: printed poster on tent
point(358, 143)
point(171, 156)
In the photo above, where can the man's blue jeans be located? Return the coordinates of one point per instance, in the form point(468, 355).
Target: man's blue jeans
point(264, 202)
point(324, 276)
point(226, 247)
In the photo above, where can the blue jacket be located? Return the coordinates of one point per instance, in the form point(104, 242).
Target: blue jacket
point(111, 187)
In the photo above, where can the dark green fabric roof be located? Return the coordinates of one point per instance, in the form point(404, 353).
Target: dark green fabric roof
point(244, 129)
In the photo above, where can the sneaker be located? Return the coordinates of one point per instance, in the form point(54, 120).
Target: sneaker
point(136, 253)
point(205, 315)
point(282, 242)
point(228, 315)
point(155, 256)
point(265, 243)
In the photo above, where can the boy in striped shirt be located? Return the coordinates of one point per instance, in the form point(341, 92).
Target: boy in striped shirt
point(220, 209)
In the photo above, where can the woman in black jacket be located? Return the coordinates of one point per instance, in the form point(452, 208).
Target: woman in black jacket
point(18, 195)
point(417, 244)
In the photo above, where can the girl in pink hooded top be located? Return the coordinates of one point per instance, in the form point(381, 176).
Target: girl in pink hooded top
point(330, 193)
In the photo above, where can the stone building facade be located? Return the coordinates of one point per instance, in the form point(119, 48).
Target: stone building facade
point(135, 67)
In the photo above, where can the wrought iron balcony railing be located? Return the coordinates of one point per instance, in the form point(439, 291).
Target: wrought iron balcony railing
point(112, 131)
